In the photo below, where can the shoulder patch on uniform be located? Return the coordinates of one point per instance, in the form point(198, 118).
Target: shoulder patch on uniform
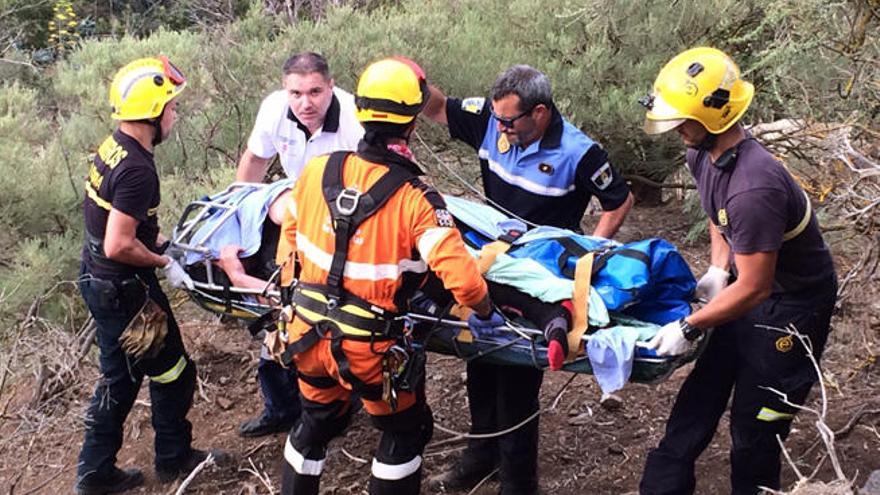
point(473, 105)
point(603, 177)
point(444, 218)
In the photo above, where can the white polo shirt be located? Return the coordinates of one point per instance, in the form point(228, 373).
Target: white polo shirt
point(277, 130)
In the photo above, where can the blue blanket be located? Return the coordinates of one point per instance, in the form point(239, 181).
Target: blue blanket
point(244, 228)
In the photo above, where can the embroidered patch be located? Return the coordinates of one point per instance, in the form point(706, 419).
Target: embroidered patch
point(722, 217)
point(784, 344)
point(603, 177)
point(473, 105)
point(444, 218)
point(503, 144)
point(546, 168)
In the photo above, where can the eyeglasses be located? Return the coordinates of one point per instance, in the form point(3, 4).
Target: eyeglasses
point(172, 72)
point(509, 123)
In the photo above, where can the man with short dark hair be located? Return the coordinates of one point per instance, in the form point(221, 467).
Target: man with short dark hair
point(770, 268)
point(539, 167)
point(118, 283)
point(366, 230)
point(309, 117)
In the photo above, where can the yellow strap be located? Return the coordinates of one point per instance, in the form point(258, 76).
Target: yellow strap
point(234, 312)
point(462, 313)
point(172, 374)
point(583, 271)
point(93, 195)
point(348, 308)
point(104, 204)
point(808, 211)
point(767, 414)
point(346, 329)
point(489, 252)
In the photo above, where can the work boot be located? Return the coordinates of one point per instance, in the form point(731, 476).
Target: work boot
point(117, 481)
point(264, 425)
point(461, 477)
point(186, 466)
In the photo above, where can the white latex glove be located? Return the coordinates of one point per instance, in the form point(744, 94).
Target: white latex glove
point(670, 340)
point(710, 284)
point(177, 276)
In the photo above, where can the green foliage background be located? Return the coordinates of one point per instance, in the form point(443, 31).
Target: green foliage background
point(601, 55)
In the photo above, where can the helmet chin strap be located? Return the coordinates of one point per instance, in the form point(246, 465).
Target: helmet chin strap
point(708, 142)
point(157, 124)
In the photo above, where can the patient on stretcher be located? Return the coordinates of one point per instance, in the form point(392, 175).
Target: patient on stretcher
point(254, 272)
point(632, 288)
point(228, 242)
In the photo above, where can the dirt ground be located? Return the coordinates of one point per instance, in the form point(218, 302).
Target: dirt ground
point(584, 448)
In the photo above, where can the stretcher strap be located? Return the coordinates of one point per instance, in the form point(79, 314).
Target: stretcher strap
point(580, 302)
point(489, 252)
point(462, 313)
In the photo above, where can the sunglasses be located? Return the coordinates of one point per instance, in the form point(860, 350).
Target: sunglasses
point(509, 123)
point(172, 72)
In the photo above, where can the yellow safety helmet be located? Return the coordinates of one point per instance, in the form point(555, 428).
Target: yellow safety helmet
point(141, 89)
point(701, 84)
point(392, 90)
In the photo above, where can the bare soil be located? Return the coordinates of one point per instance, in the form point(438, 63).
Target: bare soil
point(584, 448)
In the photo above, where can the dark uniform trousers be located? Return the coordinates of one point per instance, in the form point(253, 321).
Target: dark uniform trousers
point(501, 397)
point(743, 358)
point(280, 390)
point(172, 378)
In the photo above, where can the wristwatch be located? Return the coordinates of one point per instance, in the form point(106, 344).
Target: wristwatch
point(689, 331)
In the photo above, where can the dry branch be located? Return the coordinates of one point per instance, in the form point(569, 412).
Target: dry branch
point(195, 472)
point(826, 434)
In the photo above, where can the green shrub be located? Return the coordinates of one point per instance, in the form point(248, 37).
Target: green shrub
point(600, 56)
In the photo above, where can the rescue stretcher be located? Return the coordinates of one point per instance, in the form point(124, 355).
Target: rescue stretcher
point(522, 345)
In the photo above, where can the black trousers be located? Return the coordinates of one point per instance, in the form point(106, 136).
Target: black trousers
point(172, 379)
point(744, 359)
point(280, 389)
point(501, 397)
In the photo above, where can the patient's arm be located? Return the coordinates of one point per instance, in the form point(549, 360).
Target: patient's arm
point(234, 269)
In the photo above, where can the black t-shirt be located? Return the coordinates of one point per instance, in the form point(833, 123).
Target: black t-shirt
point(755, 203)
point(122, 176)
point(550, 182)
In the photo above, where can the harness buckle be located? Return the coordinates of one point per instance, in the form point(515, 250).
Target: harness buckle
point(347, 201)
